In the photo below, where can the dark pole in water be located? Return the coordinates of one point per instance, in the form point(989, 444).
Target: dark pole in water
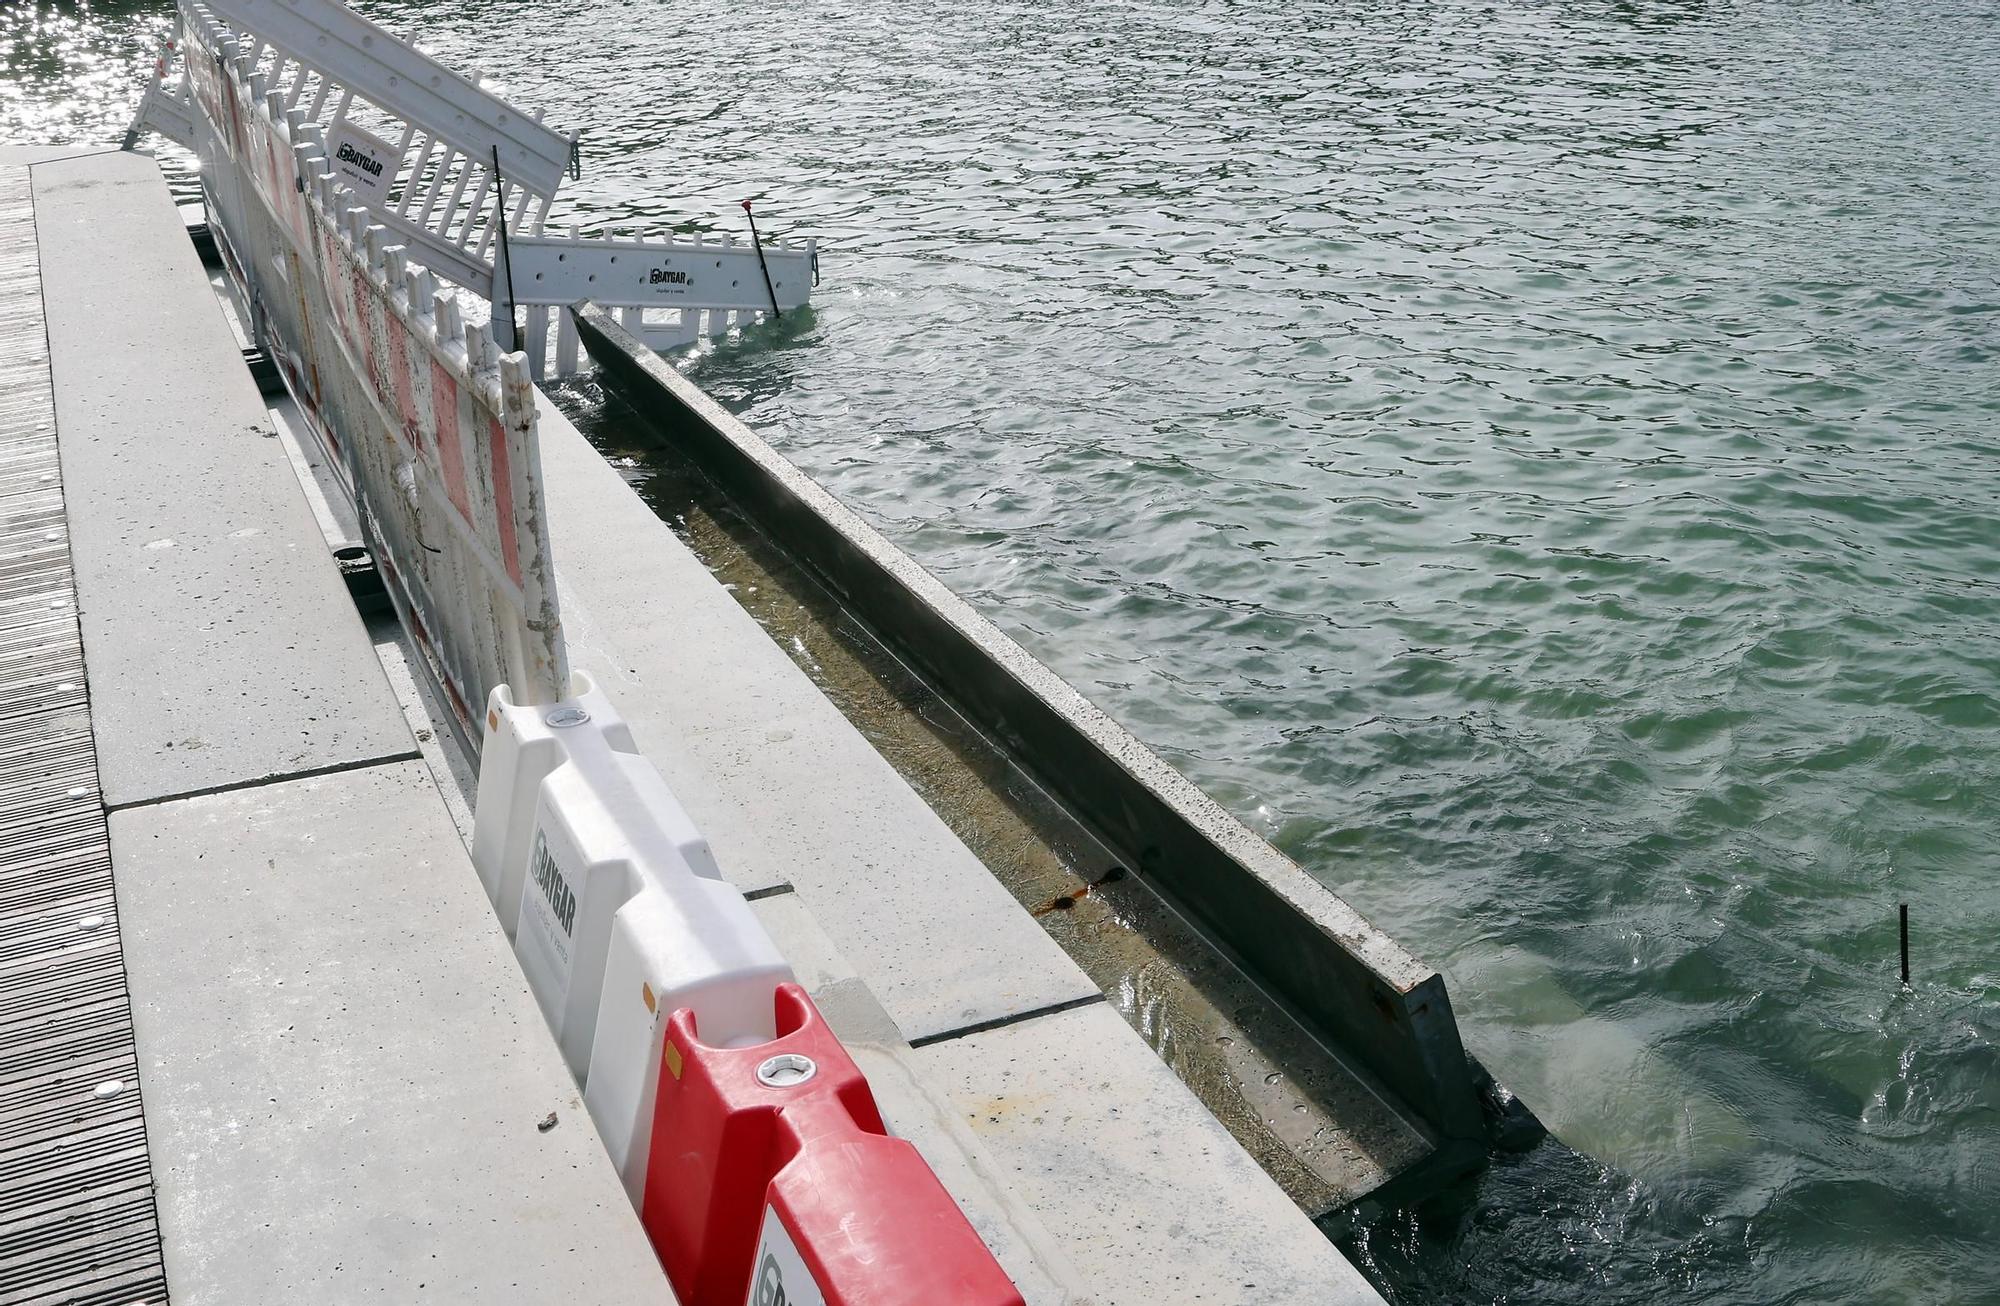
point(513, 340)
point(762, 266)
point(1903, 912)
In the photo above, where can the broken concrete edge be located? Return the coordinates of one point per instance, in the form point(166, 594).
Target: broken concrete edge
point(1349, 982)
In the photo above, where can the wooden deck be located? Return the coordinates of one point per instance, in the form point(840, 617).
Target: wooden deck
point(75, 1181)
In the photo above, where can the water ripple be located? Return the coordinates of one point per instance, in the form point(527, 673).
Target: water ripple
point(1540, 455)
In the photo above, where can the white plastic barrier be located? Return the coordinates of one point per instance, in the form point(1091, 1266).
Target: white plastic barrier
point(523, 746)
point(616, 906)
point(696, 947)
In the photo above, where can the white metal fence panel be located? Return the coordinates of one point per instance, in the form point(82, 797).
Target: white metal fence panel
point(417, 142)
point(164, 106)
point(434, 426)
point(457, 115)
point(446, 166)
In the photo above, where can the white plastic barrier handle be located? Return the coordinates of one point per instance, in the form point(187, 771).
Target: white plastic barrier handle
point(690, 943)
point(605, 826)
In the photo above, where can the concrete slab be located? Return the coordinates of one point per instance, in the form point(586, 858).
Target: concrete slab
point(1151, 1197)
point(730, 722)
point(221, 645)
point(343, 1068)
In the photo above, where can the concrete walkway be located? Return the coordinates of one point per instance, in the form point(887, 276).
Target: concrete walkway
point(342, 1072)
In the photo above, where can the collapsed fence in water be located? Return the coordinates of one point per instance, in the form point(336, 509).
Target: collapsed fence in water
point(464, 182)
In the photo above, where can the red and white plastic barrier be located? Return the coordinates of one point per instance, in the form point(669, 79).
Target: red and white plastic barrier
point(743, 1131)
point(607, 879)
point(773, 1180)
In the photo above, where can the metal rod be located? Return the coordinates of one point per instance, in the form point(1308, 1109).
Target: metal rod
point(506, 256)
point(764, 267)
point(1903, 912)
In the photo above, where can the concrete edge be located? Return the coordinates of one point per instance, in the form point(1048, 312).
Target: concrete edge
point(730, 720)
point(1344, 978)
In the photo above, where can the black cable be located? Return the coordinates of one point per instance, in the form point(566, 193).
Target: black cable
point(506, 255)
point(768, 288)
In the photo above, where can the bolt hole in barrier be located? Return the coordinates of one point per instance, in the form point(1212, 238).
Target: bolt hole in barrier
point(754, 1152)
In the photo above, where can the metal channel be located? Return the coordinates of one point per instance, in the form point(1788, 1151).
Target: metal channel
point(77, 1218)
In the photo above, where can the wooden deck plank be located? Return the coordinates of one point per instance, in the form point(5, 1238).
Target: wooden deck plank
point(75, 1181)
